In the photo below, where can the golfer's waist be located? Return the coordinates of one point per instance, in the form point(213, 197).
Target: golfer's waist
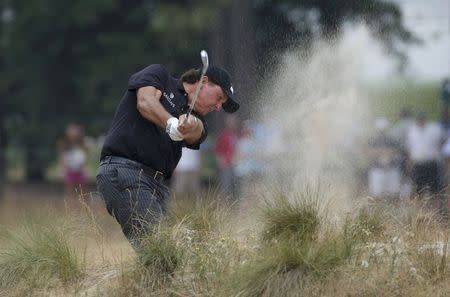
point(158, 175)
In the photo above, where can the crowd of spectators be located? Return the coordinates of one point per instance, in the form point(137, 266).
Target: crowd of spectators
point(238, 152)
point(409, 159)
point(406, 159)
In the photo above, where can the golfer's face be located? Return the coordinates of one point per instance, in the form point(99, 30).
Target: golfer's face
point(210, 98)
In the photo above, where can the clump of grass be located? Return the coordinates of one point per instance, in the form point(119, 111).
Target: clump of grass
point(281, 269)
point(187, 252)
point(159, 252)
point(297, 245)
point(201, 213)
point(209, 264)
point(428, 239)
point(158, 258)
point(432, 261)
point(38, 254)
point(369, 223)
point(422, 222)
point(295, 219)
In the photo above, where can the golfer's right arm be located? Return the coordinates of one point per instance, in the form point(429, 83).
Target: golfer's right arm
point(149, 106)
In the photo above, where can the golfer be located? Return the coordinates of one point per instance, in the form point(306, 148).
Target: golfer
point(144, 143)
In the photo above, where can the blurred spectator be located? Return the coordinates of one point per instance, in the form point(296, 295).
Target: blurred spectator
point(399, 133)
point(268, 136)
point(445, 92)
point(73, 159)
point(271, 138)
point(424, 145)
point(445, 100)
point(248, 162)
point(446, 155)
point(225, 150)
point(384, 171)
point(187, 173)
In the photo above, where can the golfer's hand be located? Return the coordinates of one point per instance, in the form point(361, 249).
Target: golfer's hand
point(188, 125)
point(172, 128)
point(191, 128)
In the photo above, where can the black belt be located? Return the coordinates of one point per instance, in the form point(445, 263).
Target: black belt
point(155, 174)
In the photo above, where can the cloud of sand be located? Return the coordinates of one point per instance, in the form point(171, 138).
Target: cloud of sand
point(319, 108)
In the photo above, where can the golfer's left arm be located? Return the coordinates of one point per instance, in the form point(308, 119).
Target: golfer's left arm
point(192, 129)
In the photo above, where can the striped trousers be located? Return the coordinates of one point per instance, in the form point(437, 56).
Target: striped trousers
point(135, 199)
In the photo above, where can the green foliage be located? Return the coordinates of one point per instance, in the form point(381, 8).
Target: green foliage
point(194, 21)
point(297, 23)
point(67, 66)
point(74, 66)
point(70, 61)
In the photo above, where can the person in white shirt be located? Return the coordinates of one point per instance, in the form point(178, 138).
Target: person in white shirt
point(424, 143)
point(187, 179)
point(399, 133)
point(384, 171)
point(73, 158)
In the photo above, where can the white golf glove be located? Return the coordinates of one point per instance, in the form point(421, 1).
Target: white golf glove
point(172, 129)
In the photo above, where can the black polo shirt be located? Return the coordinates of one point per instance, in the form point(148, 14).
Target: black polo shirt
point(134, 137)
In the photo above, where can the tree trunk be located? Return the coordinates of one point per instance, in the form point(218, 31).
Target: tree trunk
point(330, 18)
point(34, 163)
point(218, 40)
point(3, 143)
point(242, 56)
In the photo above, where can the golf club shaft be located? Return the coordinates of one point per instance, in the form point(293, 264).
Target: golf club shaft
point(197, 90)
point(205, 62)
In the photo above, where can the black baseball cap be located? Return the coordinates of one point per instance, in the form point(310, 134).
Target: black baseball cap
point(220, 77)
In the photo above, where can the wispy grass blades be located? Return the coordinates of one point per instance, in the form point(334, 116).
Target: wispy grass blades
point(289, 260)
point(38, 254)
point(159, 252)
point(309, 253)
point(296, 245)
point(367, 225)
point(205, 212)
point(288, 218)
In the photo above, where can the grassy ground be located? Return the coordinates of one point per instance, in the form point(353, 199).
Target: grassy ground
point(387, 100)
point(276, 244)
point(285, 244)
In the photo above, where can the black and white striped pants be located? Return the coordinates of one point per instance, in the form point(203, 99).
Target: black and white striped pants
point(134, 198)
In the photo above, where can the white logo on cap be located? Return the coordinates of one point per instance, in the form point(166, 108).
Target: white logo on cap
point(232, 90)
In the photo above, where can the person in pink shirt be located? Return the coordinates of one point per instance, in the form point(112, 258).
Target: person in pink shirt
point(73, 159)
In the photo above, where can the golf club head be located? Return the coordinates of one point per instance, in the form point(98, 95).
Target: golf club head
point(205, 61)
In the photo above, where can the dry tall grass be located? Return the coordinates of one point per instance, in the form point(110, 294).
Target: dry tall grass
point(204, 248)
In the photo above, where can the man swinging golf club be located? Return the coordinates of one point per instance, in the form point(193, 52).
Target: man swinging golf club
point(157, 116)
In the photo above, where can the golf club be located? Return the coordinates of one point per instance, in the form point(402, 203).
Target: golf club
point(205, 62)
